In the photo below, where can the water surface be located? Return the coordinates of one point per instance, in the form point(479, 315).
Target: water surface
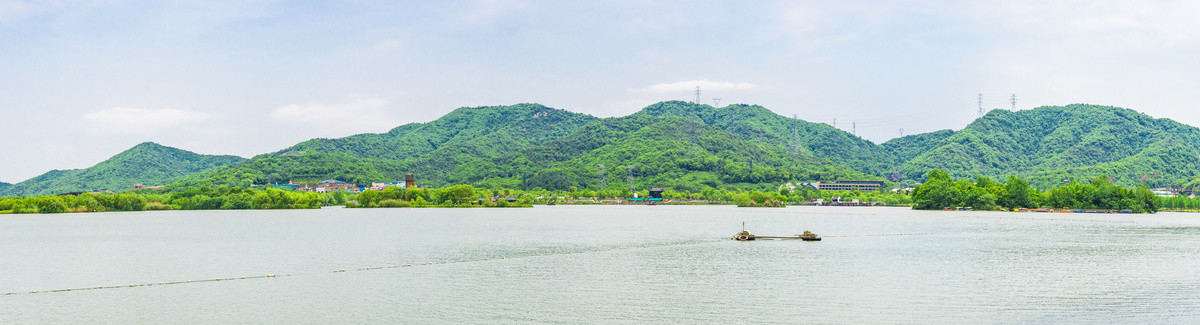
point(599, 264)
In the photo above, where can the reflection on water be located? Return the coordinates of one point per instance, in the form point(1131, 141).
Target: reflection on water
point(588, 264)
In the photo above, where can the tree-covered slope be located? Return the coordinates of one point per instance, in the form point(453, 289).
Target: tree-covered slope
point(759, 125)
point(908, 147)
point(671, 152)
point(147, 163)
point(431, 149)
point(1052, 143)
point(4, 186)
point(660, 149)
point(309, 167)
point(490, 131)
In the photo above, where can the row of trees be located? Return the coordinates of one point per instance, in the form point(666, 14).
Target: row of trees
point(203, 198)
point(1182, 203)
point(942, 191)
point(86, 202)
point(457, 195)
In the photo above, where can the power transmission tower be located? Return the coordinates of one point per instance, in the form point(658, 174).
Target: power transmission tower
point(602, 183)
point(795, 140)
point(629, 179)
point(1014, 102)
point(901, 132)
point(980, 105)
point(716, 102)
point(795, 116)
point(854, 128)
point(835, 122)
point(697, 102)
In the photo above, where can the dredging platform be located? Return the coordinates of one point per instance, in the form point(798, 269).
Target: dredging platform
point(746, 236)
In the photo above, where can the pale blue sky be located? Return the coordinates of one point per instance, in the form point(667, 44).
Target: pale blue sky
point(83, 80)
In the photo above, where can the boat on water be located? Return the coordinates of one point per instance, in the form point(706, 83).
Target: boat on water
point(747, 236)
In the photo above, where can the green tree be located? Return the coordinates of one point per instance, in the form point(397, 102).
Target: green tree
point(1016, 194)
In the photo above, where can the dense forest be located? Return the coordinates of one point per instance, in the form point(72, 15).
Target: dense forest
point(681, 146)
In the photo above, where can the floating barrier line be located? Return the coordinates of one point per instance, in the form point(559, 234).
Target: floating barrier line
point(370, 268)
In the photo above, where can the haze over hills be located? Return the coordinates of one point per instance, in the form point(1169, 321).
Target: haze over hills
point(683, 146)
point(146, 163)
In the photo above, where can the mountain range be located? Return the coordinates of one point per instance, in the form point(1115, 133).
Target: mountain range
point(679, 145)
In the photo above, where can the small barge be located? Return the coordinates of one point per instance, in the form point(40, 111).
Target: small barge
point(746, 236)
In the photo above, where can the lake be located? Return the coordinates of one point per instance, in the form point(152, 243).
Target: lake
point(599, 264)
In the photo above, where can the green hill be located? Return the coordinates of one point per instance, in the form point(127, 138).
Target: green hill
point(681, 146)
point(908, 147)
point(147, 163)
point(1055, 143)
point(4, 186)
point(431, 149)
point(490, 131)
point(307, 167)
point(671, 152)
point(532, 146)
point(759, 125)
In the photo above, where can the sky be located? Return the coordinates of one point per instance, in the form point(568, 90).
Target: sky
point(81, 81)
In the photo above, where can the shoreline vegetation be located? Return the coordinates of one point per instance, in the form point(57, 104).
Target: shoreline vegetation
point(940, 192)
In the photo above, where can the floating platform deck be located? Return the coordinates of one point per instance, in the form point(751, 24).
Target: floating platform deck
point(746, 236)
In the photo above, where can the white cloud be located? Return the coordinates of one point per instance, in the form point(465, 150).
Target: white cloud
point(354, 116)
point(704, 84)
point(141, 120)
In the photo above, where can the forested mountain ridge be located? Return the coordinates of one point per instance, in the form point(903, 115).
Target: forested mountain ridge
point(908, 147)
point(690, 146)
point(760, 125)
point(431, 149)
point(672, 152)
point(1050, 144)
point(661, 150)
point(489, 131)
point(147, 163)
